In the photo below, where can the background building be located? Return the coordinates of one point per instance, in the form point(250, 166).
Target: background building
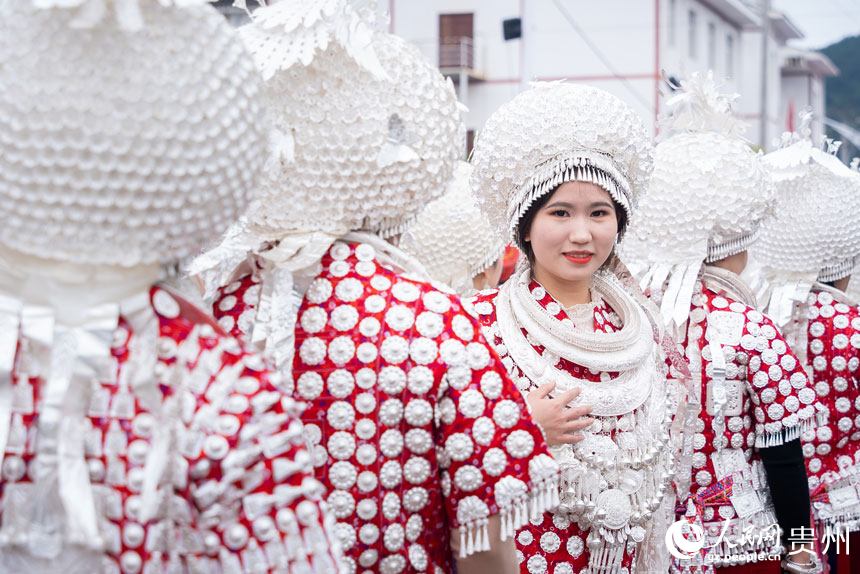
point(621, 46)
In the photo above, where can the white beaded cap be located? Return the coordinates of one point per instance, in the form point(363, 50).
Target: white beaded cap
point(710, 191)
point(814, 229)
point(452, 237)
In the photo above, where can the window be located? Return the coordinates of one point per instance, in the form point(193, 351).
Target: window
point(673, 22)
point(692, 37)
point(730, 56)
point(456, 32)
point(712, 46)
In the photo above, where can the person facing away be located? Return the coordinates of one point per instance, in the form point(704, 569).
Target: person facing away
point(800, 267)
point(136, 436)
point(741, 466)
point(424, 445)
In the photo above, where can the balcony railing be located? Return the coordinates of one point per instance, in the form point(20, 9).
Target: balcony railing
point(457, 52)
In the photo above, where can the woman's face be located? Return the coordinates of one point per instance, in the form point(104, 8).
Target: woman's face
point(573, 233)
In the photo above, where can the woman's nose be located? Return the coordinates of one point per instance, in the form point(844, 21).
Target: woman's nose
point(579, 231)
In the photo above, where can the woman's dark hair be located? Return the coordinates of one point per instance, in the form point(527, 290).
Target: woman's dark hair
point(524, 225)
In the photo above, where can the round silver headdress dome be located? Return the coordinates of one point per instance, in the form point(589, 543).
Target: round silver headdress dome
point(120, 146)
point(366, 131)
point(554, 133)
point(452, 238)
point(708, 196)
point(814, 233)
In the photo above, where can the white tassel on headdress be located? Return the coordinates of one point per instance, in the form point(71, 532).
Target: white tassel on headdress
point(580, 165)
point(698, 106)
point(311, 25)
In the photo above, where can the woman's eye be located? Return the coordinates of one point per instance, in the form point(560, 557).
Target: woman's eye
point(559, 212)
point(600, 213)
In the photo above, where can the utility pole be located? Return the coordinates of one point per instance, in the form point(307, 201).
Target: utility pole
point(526, 11)
point(765, 41)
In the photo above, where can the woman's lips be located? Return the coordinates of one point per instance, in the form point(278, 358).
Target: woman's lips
point(579, 258)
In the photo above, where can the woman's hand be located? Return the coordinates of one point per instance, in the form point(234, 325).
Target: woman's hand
point(560, 423)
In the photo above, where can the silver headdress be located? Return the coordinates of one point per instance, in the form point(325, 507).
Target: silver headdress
point(708, 197)
point(100, 161)
point(452, 238)
point(555, 133)
point(130, 134)
point(366, 131)
point(814, 234)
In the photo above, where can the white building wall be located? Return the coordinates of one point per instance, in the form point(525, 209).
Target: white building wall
point(636, 39)
point(496, 60)
point(818, 101)
point(796, 94)
point(800, 91)
point(623, 32)
point(676, 54)
point(418, 22)
point(724, 56)
point(557, 49)
point(750, 107)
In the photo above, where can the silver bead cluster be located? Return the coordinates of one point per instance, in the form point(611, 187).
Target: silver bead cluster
point(367, 153)
point(644, 510)
point(121, 147)
point(708, 190)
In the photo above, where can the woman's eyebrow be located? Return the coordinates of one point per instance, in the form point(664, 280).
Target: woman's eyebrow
point(571, 206)
point(559, 204)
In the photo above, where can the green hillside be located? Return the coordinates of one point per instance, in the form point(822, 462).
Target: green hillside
point(843, 91)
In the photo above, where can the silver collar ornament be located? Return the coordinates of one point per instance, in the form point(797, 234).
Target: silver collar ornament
point(615, 488)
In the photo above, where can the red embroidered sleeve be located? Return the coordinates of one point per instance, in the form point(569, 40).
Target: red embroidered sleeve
point(397, 379)
point(494, 457)
point(258, 504)
point(833, 349)
point(235, 306)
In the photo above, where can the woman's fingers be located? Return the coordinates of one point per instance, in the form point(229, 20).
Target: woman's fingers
point(578, 425)
point(575, 438)
point(566, 438)
point(542, 391)
point(561, 437)
point(574, 413)
point(567, 396)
